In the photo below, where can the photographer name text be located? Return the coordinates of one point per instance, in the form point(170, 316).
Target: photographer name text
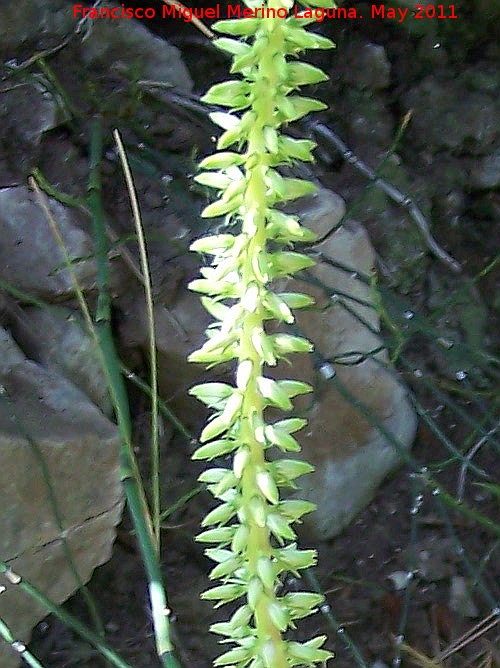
point(229, 11)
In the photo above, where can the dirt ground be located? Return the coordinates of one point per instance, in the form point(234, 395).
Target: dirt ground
point(393, 580)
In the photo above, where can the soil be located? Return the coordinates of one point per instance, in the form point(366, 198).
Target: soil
point(372, 615)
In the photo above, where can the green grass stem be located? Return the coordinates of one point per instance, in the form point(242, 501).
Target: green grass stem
point(94, 639)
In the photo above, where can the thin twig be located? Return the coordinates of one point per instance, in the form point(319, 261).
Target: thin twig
point(391, 191)
point(196, 21)
point(470, 636)
point(155, 448)
point(468, 457)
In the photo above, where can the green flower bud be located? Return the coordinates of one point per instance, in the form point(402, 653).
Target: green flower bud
point(219, 515)
point(224, 593)
point(222, 535)
point(214, 449)
point(266, 572)
point(267, 486)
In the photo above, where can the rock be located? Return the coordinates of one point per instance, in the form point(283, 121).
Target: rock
point(485, 175)
point(349, 452)
point(51, 433)
point(28, 242)
point(367, 66)
point(64, 345)
point(180, 329)
point(370, 129)
point(447, 115)
point(29, 21)
point(127, 46)
point(26, 112)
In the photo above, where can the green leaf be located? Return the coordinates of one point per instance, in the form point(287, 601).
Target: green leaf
point(258, 511)
point(302, 604)
point(214, 449)
point(294, 509)
point(241, 459)
point(271, 139)
point(296, 300)
point(220, 207)
point(254, 592)
point(271, 390)
point(279, 616)
point(218, 554)
point(219, 515)
point(241, 617)
point(239, 655)
point(244, 374)
point(218, 535)
point(295, 559)
point(224, 485)
point(266, 571)
point(309, 40)
point(294, 189)
point(295, 106)
point(232, 46)
point(282, 439)
point(299, 149)
point(290, 425)
point(287, 263)
point(287, 343)
point(286, 228)
point(277, 307)
point(213, 395)
point(215, 307)
point(293, 388)
point(217, 180)
point(227, 94)
point(217, 426)
point(222, 159)
point(303, 74)
point(287, 470)
point(214, 475)
point(240, 540)
point(225, 121)
point(241, 27)
point(225, 568)
point(213, 244)
point(224, 593)
point(280, 527)
point(265, 482)
point(232, 408)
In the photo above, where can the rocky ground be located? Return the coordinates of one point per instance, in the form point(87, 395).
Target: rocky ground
point(413, 105)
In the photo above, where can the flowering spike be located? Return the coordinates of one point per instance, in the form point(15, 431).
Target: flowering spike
point(251, 530)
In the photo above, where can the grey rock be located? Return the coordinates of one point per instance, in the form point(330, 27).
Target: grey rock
point(180, 329)
point(446, 114)
point(485, 174)
point(30, 257)
point(26, 112)
point(51, 437)
point(64, 345)
point(367, 66)
point(350, 453)
point(127, 46)
point(30, 21)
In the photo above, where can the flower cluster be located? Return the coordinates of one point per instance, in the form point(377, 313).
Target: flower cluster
point(251, 528)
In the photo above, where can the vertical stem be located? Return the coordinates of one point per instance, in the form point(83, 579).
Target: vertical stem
point(252, 411)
